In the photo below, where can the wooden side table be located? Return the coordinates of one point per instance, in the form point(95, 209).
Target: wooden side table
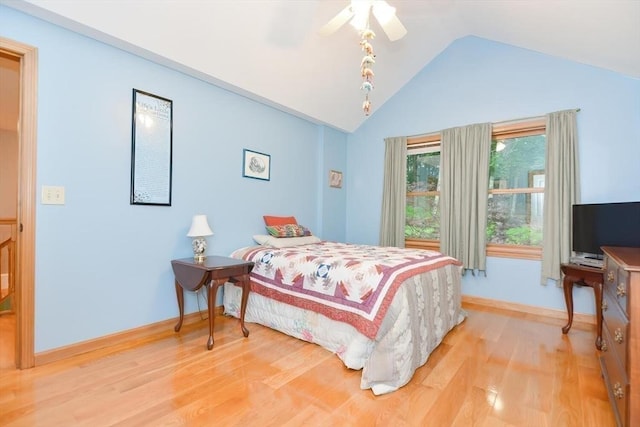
point(212, 272)
point(583, 276)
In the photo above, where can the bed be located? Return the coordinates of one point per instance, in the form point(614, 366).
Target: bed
point(382, 310)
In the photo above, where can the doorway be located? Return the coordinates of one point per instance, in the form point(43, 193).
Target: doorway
point(9, 113)
point(24, 58)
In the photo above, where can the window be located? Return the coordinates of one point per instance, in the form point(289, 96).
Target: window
point(423, 189)
point(422, 227)
point(516, 191)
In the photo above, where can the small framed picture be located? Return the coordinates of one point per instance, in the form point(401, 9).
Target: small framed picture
point(256, 165)
point(335, 179)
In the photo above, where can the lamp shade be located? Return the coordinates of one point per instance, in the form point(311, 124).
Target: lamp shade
point(199, 227)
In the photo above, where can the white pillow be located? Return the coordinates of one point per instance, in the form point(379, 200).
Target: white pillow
point(283, 242)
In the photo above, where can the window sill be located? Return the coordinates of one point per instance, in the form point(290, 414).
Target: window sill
point(430, 245)
point(493, 250)
point(514, 251)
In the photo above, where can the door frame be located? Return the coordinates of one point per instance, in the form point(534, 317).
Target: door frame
point(26, 212)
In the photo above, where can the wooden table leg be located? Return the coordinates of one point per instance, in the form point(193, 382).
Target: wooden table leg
point(567, 286)
point(211, 301)
point(180, 297)
point(583, 276)
point(597, 290)
point(246, 286)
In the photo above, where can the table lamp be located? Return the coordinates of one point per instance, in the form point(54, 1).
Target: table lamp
point(199, 230)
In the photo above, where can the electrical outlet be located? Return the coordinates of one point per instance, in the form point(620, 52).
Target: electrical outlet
point(52, 195)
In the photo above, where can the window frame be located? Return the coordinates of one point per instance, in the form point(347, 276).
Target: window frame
point(527, 127)
point(429, 140)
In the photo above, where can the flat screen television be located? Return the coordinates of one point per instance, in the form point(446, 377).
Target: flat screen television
point(605, 224)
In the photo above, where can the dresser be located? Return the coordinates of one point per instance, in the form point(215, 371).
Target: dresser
point(620, 352)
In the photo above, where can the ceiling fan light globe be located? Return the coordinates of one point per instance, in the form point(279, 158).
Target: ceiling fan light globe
point(383, 12)
point(361, 10)
point(359, 22)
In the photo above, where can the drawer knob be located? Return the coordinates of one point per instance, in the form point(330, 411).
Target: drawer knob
point(610, 276)
point(604, 346)
point(605, 306)
point(618, 336)
point(617, 391)
point(620, 290)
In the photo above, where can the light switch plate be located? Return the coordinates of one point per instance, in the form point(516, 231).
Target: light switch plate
point(52, 195)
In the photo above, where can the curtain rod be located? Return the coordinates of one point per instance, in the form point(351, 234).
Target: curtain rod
point(524, 119)
point(504, 122)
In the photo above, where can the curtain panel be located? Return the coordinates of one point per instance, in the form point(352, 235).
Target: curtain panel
point(394, 192)
point(561, 191)
point(464, 181)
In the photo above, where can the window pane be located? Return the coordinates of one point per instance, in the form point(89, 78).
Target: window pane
point(423, 218)
point(423, 171)
point(515, 161)
point(515, 219)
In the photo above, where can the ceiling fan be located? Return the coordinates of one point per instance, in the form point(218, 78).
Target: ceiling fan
point(358, 12)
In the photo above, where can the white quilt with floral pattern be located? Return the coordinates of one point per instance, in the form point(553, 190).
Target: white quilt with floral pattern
point(350, 283)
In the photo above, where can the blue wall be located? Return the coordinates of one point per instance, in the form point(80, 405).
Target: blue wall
point(334, 204)
point(475, 80)
point(102, 265)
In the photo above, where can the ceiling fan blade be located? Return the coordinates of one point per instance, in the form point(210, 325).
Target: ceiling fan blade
point(386, 17)
point(394, 29)
point(337, 21)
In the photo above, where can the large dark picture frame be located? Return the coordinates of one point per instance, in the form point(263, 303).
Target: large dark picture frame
point(151, 149)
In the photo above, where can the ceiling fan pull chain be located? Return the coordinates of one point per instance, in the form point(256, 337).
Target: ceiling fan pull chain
point(358, 14)
point(365, 67)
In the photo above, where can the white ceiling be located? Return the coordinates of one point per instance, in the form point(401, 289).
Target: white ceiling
point(270, 50)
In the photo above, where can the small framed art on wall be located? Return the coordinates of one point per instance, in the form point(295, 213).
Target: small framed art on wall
point(256, 165)
point(335, 179)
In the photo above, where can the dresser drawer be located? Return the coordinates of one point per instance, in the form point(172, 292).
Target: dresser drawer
point(621, 297)
point(616, 281)
point(617, 326)
point(616, 381)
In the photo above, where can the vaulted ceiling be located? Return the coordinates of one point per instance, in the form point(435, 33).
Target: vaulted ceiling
point(271, 51)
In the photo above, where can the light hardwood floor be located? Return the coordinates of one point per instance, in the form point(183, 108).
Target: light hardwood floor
point(498, 368)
